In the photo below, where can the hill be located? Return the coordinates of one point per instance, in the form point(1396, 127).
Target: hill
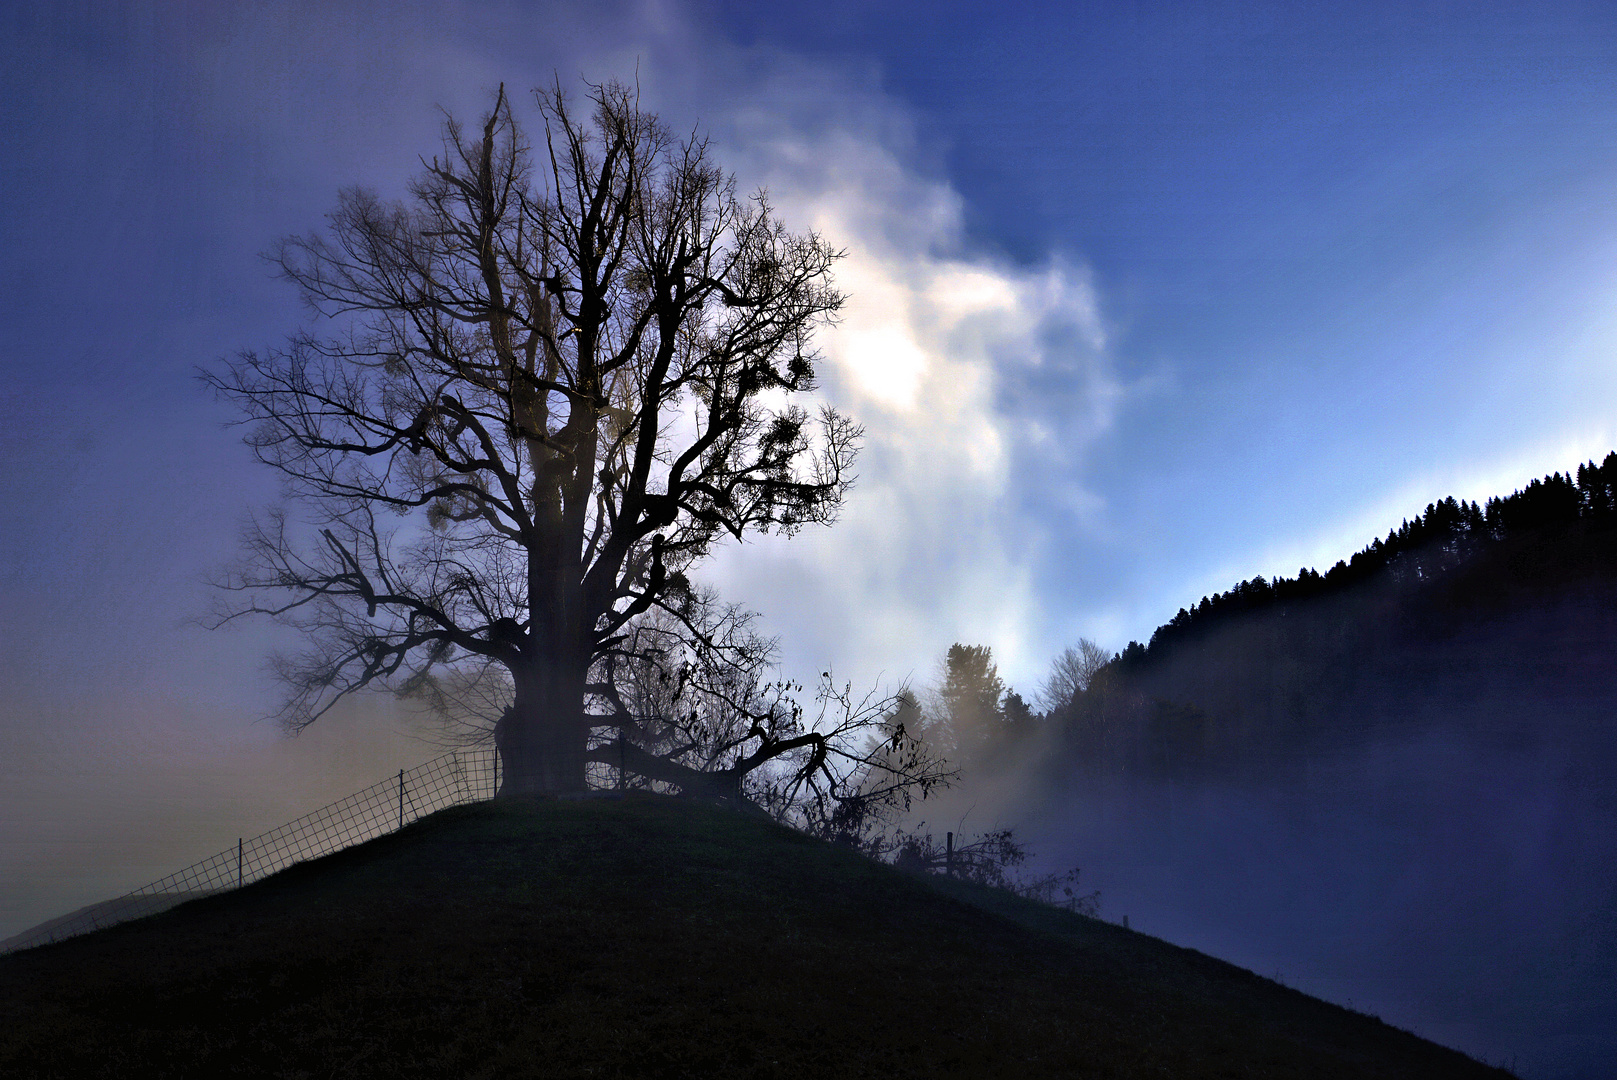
point(1496, 618)
point(1552, 532)
point(104, 913)
point(652, 937)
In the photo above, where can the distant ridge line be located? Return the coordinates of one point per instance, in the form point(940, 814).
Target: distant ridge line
point(461, 776)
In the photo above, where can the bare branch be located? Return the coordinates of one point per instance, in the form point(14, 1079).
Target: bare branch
point(534, 396)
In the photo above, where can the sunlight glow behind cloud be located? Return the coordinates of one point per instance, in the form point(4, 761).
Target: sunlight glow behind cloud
point(940, 353)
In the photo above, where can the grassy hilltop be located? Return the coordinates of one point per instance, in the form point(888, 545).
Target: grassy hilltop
point(653, 937)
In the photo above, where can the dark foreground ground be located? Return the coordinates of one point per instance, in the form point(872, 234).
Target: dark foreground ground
point(651, 937)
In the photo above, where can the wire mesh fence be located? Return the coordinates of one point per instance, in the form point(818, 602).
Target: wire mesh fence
point(463, 776)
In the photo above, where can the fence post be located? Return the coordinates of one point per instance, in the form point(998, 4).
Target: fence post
point(401, 798)
point(948, 860)
point(238, 862)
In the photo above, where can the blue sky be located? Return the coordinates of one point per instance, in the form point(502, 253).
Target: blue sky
point(1143, 302)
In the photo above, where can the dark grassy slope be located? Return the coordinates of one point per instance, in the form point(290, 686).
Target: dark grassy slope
point(652, 938)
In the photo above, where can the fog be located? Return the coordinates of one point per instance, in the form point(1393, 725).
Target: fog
point(1455, 876)
point(1440, 850)
point(1451, 888)
point(97, 805)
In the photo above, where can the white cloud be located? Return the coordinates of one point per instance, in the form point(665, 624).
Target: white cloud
point(976, 380)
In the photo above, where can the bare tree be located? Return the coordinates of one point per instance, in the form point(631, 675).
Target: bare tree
point(868, 774)
point(546, 385)
point(1071, 674)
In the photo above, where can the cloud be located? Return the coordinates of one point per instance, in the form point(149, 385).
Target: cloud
point(980, 383)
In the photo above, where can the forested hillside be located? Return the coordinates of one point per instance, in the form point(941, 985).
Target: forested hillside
point(1569, 522)
point(1389, 780)
point(1469, 607)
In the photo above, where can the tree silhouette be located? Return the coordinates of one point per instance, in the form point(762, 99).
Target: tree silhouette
point(1071, 673)
point(546, 385)
point(966, 705)
point(1450, 534)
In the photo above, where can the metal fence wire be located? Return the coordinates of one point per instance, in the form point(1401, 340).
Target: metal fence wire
point(464, 776)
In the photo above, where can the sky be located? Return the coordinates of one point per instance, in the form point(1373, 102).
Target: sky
point(1143, 301)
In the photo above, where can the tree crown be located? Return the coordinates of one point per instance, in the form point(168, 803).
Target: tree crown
point(537, 392)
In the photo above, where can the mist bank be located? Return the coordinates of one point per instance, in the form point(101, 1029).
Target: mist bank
point(151, 786)
point(1451, 885)
point(1395, 792)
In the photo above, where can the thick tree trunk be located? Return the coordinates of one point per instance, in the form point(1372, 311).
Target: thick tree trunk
point(543, 735)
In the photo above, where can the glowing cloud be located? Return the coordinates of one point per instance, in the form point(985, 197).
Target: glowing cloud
point(976, 379)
